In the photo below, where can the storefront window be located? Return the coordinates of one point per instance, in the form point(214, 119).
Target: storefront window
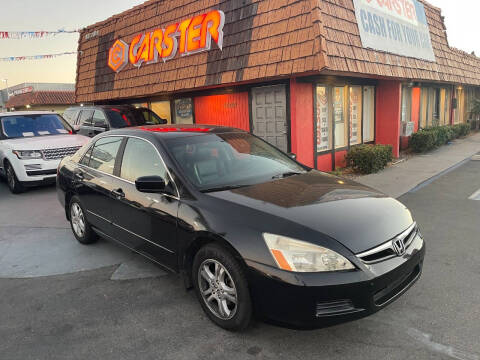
point(459, 111)
point(406, 104)
point(162, 109)
point(423, 107)
point(355, 115)
point(184, 111)
point(345, 116)
point(324, 135)
point(341, 130)
point(368, 113)
point(435, 105)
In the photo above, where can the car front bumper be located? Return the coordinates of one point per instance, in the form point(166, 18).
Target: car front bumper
point(313, 300)
point(36, 171)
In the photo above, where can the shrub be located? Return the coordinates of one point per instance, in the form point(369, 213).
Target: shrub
point(368, 159)
point(424, 140)
point(444, 134)
point(464, 129)
point(430, 138)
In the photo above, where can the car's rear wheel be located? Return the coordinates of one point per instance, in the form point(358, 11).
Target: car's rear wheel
point(15, 186)
point(80, 227)
point(222, 288)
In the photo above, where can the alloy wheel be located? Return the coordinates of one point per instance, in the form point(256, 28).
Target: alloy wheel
point(217, 289)
point(11, 177)
point(78, 221)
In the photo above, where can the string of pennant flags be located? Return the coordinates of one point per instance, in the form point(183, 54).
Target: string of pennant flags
point(18, 35)
point(36, 57)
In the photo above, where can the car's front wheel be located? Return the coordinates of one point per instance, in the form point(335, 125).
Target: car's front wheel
point(221, 286)
point(80, 227)
point(14, 185)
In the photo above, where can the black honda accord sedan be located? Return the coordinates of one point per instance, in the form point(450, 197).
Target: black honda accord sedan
point(248, 227)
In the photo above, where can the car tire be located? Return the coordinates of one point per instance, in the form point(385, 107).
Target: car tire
point(15, 186)
point(222, 288)
point(80, 227)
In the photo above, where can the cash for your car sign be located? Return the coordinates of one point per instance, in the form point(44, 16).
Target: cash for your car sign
point(395, 26)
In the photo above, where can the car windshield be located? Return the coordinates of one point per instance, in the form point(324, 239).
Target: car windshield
point(20, 126)
point(120, 118)
point(216, 162)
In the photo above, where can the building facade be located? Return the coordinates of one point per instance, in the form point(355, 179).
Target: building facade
point(312, 77)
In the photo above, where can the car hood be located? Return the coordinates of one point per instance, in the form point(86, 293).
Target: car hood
point(46, 142)
point(355, 215)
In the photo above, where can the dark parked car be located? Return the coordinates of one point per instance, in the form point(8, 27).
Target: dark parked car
point(93, 120)
point(253, 231)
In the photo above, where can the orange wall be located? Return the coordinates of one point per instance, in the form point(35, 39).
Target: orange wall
point(224, 110)
point(301, 121)
point(340, 161)
point(389, 99)
point(324, 162)
point(416, 107)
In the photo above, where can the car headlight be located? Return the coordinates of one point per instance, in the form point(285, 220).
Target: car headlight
point(300, 256)
point(28, 154)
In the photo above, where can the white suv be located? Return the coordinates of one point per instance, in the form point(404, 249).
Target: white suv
point(32, 143)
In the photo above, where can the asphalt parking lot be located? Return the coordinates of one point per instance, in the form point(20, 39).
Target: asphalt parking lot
point(62, 300)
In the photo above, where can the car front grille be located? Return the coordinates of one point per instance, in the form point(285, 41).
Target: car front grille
point(387, 250)
point(59, 153)
point(396, 288)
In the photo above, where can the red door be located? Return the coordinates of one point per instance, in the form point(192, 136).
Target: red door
point(223, 110)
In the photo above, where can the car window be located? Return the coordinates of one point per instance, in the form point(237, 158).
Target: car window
point(141, 159)
point(86, 158)
point(104, 153)
point(18, 126)
point(68, 115)
point(99, 118)
point(121, 118)
point(151, 118)
point(230, 159)
point(86, 117)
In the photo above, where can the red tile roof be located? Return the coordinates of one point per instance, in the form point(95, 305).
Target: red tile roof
point(42, 98)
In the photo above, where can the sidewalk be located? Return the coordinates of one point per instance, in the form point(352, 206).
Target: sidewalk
point(403, 177)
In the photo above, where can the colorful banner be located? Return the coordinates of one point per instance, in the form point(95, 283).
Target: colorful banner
point(18, 35)
point(35, 57)
point(395, 26)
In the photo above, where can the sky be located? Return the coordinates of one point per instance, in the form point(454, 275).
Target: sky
point(35, 15)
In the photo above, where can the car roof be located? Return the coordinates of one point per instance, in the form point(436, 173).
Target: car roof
point(19, 113)
point(174, 130)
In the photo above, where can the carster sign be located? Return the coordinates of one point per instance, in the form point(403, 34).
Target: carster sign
point(187, 37)
point(395, 26)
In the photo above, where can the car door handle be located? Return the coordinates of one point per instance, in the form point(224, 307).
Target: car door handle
point(118, 193)
point(79, 176)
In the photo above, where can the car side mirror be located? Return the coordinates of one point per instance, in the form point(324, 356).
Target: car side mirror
point(292, 156)
point(150, 184)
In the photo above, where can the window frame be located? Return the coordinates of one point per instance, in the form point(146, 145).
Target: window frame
point(120, 160)
point(331, 119)
point(117, 157)
point(105, 119)
point(80, 122)
point(124, 148)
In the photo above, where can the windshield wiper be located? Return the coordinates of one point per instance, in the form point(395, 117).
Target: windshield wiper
point(285, 174)
point(222, 188)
